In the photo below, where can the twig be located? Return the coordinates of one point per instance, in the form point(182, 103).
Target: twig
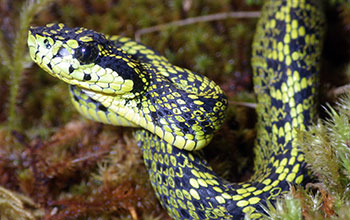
point(246, 104)
point(340, 90)
point(81, 159)
point(133, 213)
point(193, 20)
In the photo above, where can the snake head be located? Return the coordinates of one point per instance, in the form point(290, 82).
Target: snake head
point(86, 59)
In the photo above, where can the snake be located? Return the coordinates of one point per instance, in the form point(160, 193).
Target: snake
point(176, 112)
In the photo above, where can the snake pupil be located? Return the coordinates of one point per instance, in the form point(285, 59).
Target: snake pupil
point(86, 53)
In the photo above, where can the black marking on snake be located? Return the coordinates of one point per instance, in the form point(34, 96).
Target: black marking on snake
point(191, 122)
point(87, 77)
point(160, 113)
point(184, 127)
point(49, 66)
point(155, 118)
point(187, 115)
point(184, 213)
point(70, 69)
point(128, 101)
point(124, 70)
point(102, 107)
point(76, 98)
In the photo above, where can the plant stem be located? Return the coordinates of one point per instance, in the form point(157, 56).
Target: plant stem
point(29, 9)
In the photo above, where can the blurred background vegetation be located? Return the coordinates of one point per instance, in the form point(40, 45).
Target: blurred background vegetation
point(56, 165)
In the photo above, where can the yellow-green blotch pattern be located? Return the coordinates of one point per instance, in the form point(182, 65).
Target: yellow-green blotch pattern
point(141, 88)
point(118, 81)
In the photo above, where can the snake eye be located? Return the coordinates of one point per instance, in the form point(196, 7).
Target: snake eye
point(86, 53)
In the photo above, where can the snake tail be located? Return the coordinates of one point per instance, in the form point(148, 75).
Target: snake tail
point(176, 112)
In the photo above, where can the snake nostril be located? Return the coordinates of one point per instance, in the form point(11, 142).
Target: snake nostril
point(47, 44)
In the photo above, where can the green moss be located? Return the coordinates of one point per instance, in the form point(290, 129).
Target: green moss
point(12, 206)
point(327, 149)
point(287, 209)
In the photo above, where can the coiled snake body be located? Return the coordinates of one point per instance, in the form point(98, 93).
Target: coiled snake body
point(118, 81)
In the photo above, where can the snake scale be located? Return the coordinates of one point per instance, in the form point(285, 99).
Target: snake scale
point(118, 81)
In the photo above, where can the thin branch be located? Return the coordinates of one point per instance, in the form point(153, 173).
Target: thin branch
point(193, 20)
point(340, 90)
point(245, 104)
point(85, 158)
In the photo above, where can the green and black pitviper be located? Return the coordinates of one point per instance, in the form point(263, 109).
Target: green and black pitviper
point(118, 81)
